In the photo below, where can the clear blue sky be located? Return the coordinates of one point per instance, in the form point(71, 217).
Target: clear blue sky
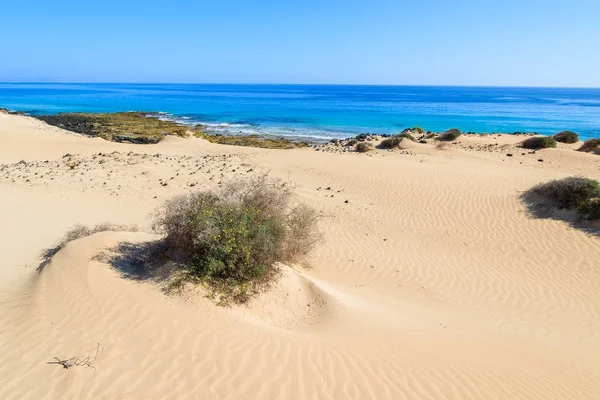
point(425, 42)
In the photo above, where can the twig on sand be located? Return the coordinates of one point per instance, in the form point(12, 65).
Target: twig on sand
point(79, 361)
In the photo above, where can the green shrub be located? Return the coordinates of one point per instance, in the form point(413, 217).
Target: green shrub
point(232, 239)
point(450, 135)
point(419, 130)
point(538, 142)
point(391, 143)
point(568, 193)
point(590, 145)
point(363, 147)
point(566, 137)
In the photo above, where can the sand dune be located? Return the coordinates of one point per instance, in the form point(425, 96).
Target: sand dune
point(432, 282)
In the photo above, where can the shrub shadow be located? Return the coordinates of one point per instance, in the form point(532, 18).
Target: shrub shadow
point(148, 261)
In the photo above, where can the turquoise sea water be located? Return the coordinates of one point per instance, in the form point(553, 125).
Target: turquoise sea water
point(325, 111)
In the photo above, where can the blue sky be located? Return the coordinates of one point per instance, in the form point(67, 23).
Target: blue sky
point(426, 42)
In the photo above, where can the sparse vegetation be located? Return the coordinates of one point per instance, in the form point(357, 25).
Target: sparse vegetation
point(351, 142)
point(538, 142)
point(590, 145)
point(363, 147)
point(77, 232)
point(147, 128)
point(449, 135)
point(566, 137)
point(135, 127)
point(418, 129)
point(573, 193)
point(231, 240)
point(252, 141)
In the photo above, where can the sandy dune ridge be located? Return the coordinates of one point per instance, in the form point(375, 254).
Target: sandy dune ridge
point(433, 281)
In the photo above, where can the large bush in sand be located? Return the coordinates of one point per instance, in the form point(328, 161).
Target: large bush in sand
point(232, 239)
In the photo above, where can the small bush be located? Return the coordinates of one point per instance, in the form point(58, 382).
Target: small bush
point(538, 142)
point(231, 239)
point(363, 147)
point(406, 135)
point(362, 137)
point(566, 137)
point(590, 145)
point(391, 143)
point(450, 135)
point(568, 193)
point(351, 142)
point(419, 130)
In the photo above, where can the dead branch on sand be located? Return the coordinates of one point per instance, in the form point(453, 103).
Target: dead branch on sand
point(79, 361)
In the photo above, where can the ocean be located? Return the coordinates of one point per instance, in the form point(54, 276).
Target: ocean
point(324, 111)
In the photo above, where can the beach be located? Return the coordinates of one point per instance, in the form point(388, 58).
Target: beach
point(432, 281)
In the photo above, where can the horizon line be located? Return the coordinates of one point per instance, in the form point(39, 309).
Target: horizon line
point(295, 84)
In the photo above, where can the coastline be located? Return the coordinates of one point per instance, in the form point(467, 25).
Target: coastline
point(325, 112)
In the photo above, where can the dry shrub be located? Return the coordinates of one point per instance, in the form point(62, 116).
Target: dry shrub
point(443, 146)
point(566, 137)
point(351, 142)
point(406, 135)
point(391, 143)
point(232, 239)
point(590, 145)
point(450, 135)
point(538, 142)
point(363, 147)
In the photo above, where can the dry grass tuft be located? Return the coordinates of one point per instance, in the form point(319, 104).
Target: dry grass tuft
point(77, 232)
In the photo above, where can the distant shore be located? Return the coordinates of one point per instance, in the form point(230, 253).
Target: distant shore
point(150, 126)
